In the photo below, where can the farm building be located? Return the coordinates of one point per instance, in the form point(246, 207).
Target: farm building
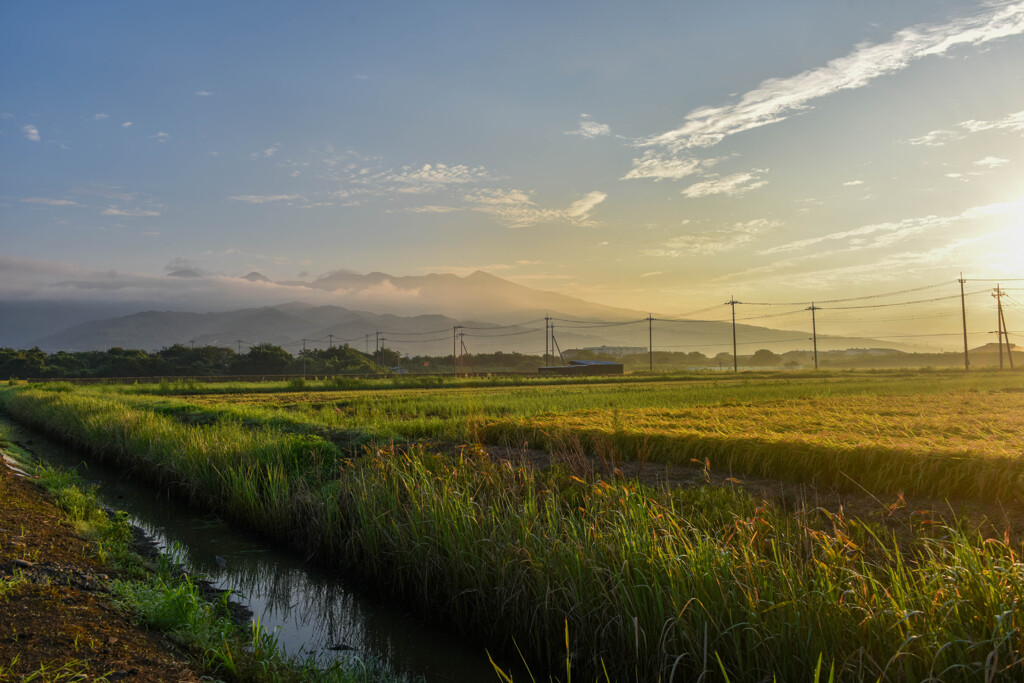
point(583, 367)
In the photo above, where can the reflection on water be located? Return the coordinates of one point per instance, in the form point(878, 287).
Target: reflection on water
point(312, 609)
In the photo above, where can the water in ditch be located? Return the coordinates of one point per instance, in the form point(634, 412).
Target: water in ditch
point(312, 609)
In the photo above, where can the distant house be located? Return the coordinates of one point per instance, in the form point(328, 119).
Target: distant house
point(584, 367)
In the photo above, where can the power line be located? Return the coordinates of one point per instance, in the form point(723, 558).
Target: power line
point(504, 327)
point(594, 323)
point(505, 334)
point(853, 298)
point(901, 303)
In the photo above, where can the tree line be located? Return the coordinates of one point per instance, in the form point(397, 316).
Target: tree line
point(184, 361)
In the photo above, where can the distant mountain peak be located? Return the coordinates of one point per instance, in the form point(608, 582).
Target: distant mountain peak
point(256, 277)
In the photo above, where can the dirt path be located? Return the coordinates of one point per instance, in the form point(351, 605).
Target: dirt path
point(55, 613)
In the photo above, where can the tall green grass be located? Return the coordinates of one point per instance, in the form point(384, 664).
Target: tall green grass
point(940, 435)
point(652, 585)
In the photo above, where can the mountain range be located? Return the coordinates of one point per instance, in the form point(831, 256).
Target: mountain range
point(419, 315)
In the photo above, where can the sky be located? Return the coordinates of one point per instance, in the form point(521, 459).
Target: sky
point(659, 156)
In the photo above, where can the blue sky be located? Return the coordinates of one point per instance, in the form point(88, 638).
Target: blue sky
point(659, 157)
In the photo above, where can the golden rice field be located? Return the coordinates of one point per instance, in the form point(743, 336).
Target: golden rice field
point(611, 579)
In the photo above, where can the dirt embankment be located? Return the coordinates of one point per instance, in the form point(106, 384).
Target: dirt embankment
point(55, 614)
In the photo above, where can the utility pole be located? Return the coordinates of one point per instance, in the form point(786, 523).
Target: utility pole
point(547, 324)
point(303, 359)
point(239, 346)
point(1002, 332)
point(735, 360)
point(455, 335)
point(963, 314)
point(554, 345)
point(462, 353)
point(330, 340)
point(376, 346)
point(814, 333)
point(191, 344)
point(1006, 336)
point(367, 344)
point(650, 342)
point(999, 323)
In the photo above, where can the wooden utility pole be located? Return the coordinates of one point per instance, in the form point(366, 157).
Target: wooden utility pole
point(303, 359)
point(547, 324)
point(814, 333)
point(330, 340)
point(998, 294)
point(963, 314)
point(650, 342)
point(462, 352)
point(735, 359)
point(455, 341)
point(1006, 336)
point(1003, 333)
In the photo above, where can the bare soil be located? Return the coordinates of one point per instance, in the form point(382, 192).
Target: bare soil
point(58, 618)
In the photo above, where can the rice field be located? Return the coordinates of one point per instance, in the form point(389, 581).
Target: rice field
point(652, 584)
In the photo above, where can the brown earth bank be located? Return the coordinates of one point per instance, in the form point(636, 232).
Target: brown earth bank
point(56, 618)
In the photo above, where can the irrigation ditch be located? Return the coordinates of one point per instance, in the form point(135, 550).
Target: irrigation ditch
point(311, 610)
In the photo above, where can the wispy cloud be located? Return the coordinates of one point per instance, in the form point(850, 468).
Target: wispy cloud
point(161, 136)
point(895, 231)
point(1012, 122)
point(265, 198)
point(731, 185)
point(853, 183)
point(31, 132)
point(427, 178)
point(101, 116)
point(991, 162)
point(204, 93)
point(937, 138)
point(589, 128)
point(430, 208)
point(667, 166)
point(776, 99)
point(113, 210)
point(516, 209)
point(890, 267)
point(126, 124)
point(49, 202)
point(715, 241)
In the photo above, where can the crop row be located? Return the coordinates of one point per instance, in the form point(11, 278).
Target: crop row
point(942, 436)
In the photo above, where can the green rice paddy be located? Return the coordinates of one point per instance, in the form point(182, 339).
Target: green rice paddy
point(650, 583)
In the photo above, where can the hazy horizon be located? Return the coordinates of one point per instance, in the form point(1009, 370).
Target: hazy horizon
point(663, 158)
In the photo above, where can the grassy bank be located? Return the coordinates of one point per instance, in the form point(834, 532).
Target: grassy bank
point(651, 584)
point(160, 597)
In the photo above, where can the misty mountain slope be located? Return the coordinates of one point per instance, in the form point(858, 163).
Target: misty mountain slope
point(417, 314)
